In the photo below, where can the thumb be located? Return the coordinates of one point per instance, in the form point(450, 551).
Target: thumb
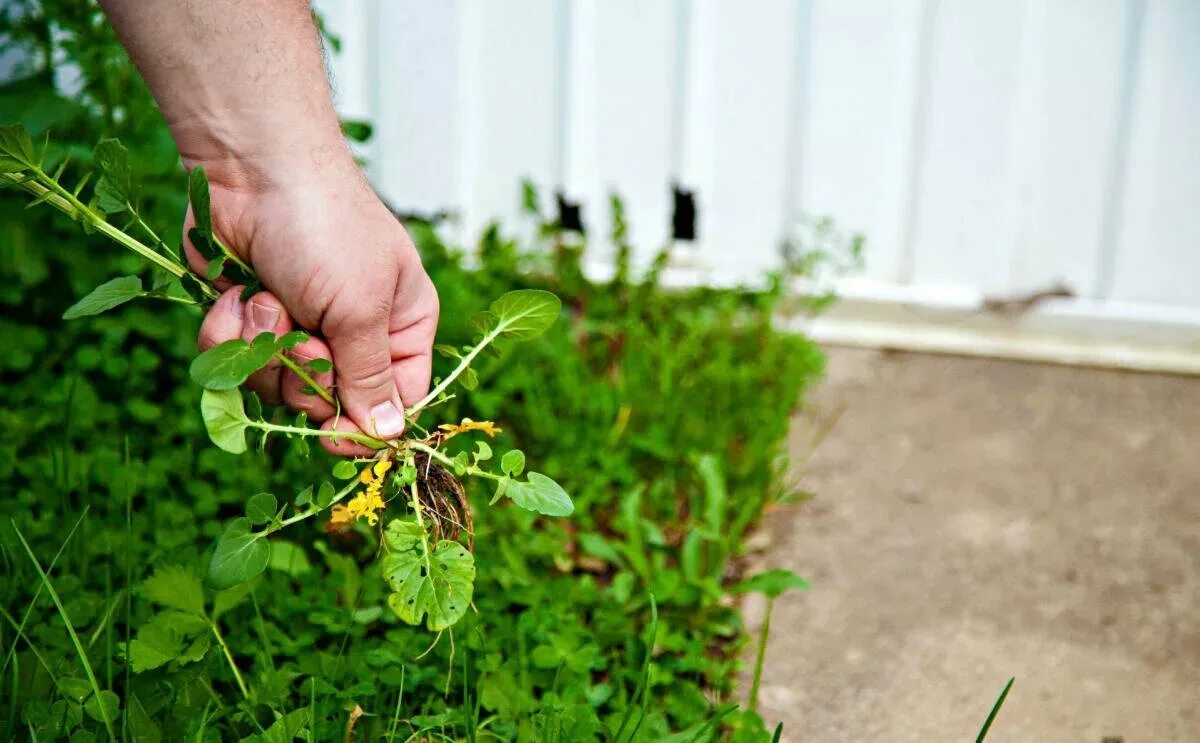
point(365, 384)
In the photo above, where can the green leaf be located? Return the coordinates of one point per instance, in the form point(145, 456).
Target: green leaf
point(437, 587)
point(112, 189)
point(345, 470)
point(522, 314)
point(16, 149)
point(320, 366)
point(162, 640)
point(289, 340)
point(225, 419)
point(177, 587)
point(240, 555)
point(289, 558)
point(107, 700)
point(773, 583)
point(541, 495)
point(230, 598)
point(106, 296)
point(227, 365)
point(283, 730)
point(513, 462)
point(198, 197)
point(142, 729)
point(483, 452)
point(325, 495)
point(75, 689)
point(261, 508)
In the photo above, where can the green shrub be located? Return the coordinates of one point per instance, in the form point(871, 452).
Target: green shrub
point(663, 413)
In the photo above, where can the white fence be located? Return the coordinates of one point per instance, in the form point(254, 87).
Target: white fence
point(984, 147)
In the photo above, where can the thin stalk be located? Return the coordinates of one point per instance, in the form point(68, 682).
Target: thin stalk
point(471, 468)
point(67, 203)
point(305, 377)
point(360, 438)
point(313, 512)
point(761, 656)
point(83, 659)
point(241, 682)
point(462, 367)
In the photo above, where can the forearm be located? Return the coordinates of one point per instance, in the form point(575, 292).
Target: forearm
point(241, 84)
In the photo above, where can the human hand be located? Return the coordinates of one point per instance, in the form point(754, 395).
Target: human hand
point(333, 261)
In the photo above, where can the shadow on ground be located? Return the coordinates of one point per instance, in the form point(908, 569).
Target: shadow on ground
point(978, 519)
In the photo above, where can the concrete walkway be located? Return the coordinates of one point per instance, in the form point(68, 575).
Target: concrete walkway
point(975, 520)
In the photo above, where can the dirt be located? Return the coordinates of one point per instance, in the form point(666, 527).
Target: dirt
point(973, 520)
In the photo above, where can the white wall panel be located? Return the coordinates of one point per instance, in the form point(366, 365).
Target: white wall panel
point(985, 147)
point(1158, 248)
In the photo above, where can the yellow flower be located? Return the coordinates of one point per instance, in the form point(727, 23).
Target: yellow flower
point(450, 430)
point(367, 503)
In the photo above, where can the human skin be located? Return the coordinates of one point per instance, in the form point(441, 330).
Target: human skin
point(243, 88)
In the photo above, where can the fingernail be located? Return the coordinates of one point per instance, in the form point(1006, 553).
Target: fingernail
point(262, 318)
point(237, 308)
point(387, 420)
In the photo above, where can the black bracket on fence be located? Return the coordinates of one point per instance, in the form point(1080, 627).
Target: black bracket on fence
point(683, 213)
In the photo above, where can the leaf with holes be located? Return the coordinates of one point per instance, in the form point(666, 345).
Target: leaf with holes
point(436, 585)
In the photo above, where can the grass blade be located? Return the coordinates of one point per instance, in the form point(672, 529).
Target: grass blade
point(87, 666)
point(995, 709)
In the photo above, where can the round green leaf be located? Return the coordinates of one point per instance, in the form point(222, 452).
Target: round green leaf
point(227, 365)
point(105, 705)
point(541, 495)
point(225, 419)
point(525, 313)
point(240, 555)
point(261, 508)
point(513, 462)
point(345, 470)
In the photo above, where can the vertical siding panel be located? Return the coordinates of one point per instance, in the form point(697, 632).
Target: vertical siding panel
point(1066, 114)
point(857, 148)
point(961, 198)
point(739, 160)
point(621, 138)
point(508, 107)
point(414, 78)
point(1157, 258)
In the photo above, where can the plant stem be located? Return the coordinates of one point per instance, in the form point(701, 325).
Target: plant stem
point(462, 367)
point(66, 202)
point(360, 438)
point(83, 659)
point(241, 682)
point(471, 468)
point(305, 377)
point(760, 657)
point(314, 511)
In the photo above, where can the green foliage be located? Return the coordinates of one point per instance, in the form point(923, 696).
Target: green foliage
point(103, 298)
point(663, 413)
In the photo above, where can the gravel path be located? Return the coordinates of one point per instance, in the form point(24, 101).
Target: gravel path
point(975, 520)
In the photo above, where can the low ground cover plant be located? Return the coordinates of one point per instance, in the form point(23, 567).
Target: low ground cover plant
point(194, 616)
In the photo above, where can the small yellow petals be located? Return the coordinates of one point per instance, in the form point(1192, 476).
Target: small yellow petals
point(367, 503)
point(340, 517)
point(450, 430)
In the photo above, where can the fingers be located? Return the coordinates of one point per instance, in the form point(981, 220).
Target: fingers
point(358, 339)
point(412, 360)
point(342, 447)
point(231, 318)
point(224, 320)
point(264, 313)
point(292, 386)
